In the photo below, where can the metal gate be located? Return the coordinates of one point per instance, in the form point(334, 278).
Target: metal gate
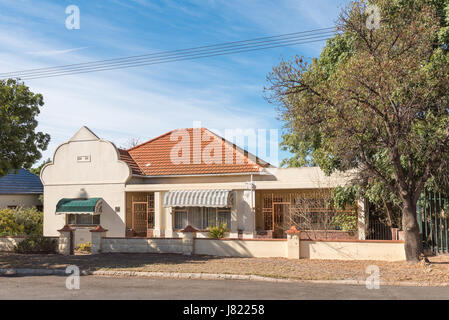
point(140, 218)
point(432, 212)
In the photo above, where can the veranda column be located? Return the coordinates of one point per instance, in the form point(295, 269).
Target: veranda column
point(65, 246)
point(293, 243)
point(158, 212)
point(168, 212)
point(188, 240)
point(234, 233)
point(97, 233)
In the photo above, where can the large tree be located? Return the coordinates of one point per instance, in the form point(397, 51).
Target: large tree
point(20, 144)
point(376, 100)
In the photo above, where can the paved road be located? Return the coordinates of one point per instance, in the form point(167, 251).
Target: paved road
point(94, 287)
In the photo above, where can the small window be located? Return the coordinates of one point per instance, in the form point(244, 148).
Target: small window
point(209, 217)
point(201, 218)
point(180, 218)
point(224, 218)
point(12, 207)
point(194, 217)
point(83, 219)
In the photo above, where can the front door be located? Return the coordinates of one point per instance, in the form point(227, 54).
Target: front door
point(140, 218)
point(281, 216)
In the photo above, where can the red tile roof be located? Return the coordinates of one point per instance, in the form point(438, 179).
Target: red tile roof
point(124, 155)
point(173, 154)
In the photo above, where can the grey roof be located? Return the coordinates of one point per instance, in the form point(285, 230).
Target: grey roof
point(22, 182)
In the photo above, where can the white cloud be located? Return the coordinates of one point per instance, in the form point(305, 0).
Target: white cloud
point(53, 52)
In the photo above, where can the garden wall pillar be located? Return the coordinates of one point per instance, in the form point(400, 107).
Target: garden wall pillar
point(293, 243)
point(65, 241)
point(97, 234)
point(188, 240)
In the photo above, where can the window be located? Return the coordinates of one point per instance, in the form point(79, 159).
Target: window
point(224, 217)
point(83, 219)
point(201, 218)
point(12, 207)
point(209, 217)
point(194, 217)
point(180, 218)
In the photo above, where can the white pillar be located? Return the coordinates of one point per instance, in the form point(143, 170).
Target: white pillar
point(188, 240)
point(97, 234)
point(246, 209)
point(234, 223)
point(65, 240)
point(168, 222)
point(293, 243)
point(158, 212)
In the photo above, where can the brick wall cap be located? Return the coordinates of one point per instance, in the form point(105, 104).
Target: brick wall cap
point(66, 228)
point(293, 230)
point(98, 229)
point(189, 228)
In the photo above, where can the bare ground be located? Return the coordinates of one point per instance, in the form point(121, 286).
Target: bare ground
point(437, 271)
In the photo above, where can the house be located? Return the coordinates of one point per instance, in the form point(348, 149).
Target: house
point(183, 177)
point(20, 189)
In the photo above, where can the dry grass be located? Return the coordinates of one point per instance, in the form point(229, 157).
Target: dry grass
point(435, 272)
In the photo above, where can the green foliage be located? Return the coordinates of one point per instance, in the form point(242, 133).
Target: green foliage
point(31, 219)
point(374, 101)
point(37, 170)
point(84, 247)
point(36, 244)
point(346, 221)
point(21, 221)
point(8, 224)
point(20, 145)
point(344, 195)
point(218, 232)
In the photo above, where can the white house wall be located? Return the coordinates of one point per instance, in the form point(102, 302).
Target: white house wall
point(19, 200)
point(102, 175)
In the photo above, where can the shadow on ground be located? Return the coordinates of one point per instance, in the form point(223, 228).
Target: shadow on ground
point(96, 262)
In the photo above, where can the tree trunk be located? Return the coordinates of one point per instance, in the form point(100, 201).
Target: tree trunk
point(411, 232)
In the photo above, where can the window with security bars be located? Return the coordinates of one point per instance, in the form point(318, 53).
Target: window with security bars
point(83, 219)
point(201, 218)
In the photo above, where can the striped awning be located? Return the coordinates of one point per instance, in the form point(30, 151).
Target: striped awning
point(199, 198)
point(79, 206)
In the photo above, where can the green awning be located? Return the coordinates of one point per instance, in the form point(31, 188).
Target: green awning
point(79, 206)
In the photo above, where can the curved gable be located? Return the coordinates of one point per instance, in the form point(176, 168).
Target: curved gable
point(84, 159)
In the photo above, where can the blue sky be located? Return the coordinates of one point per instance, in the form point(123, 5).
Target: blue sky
point(223, 92)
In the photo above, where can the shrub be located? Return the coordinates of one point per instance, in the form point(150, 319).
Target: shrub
point(84, 247)
point(36, 243)
point(31, 219)
point(9, 225)
point(218, 232)
point(346, 221)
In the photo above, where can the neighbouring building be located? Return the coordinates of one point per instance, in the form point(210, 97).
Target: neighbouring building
point(183, 177)
point(20, 189)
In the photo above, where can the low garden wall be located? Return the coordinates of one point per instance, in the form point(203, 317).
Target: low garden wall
point(262, 248)
point(353, 250)
point(137, 245)
point(293, 247)
point(7, 244)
